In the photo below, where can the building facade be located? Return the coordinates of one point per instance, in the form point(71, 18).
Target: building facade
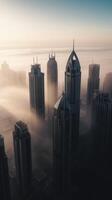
point(23, 160)
point(102, 121)
point(36, 89)
point(4, 173)
point(66, 126)
point(107, 85)
point(93, 82)
point(52, 81)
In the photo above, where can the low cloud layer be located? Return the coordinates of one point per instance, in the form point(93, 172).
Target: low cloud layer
point(14, 106)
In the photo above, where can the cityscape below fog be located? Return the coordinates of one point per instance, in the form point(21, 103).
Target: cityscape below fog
point(55, 100)
point(56, 125)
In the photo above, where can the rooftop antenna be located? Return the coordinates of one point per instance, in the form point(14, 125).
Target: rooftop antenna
point(52, 54)
point(73, 45)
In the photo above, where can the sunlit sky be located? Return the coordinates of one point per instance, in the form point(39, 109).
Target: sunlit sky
point(46, 23)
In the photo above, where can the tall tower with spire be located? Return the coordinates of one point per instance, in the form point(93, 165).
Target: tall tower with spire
point(4, 174)
point(52, 81)
point(66, 125)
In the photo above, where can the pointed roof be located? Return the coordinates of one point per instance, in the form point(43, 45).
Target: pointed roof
point(73, 45)
point(73, 63)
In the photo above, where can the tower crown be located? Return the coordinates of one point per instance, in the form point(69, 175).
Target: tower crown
point(35, 68)
point(52, 60)
point(21, 129)
point(73, 64)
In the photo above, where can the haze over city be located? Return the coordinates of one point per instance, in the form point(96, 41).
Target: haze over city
point(53, 23)
point(55, 99)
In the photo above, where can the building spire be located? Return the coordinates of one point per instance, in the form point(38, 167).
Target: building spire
point(73, 45)
point(52, 54)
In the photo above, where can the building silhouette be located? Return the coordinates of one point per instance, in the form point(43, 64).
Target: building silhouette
point(52, 81)
point(66, 126)
point(93, 81)
point(107, 85)
point(4, 174)
point(102, 121)
point(36, 89)
point(23, 160)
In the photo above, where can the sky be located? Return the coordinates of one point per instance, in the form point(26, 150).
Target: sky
point(46, 23)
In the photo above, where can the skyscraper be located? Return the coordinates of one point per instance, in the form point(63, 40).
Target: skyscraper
point(52, 81)
point(102, 120)
point(107, 85)
point(4, 174)
point(93, 81)
point(23, 161)
point(66, 125)
point(36, 88)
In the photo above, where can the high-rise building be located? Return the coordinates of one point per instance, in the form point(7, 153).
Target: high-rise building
point(23, 160)
point(102, 120)
point(66, 126)
point(107, 85)
point(93, 81)
point(4, 174)
point(36, 88)
point(52, 81)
